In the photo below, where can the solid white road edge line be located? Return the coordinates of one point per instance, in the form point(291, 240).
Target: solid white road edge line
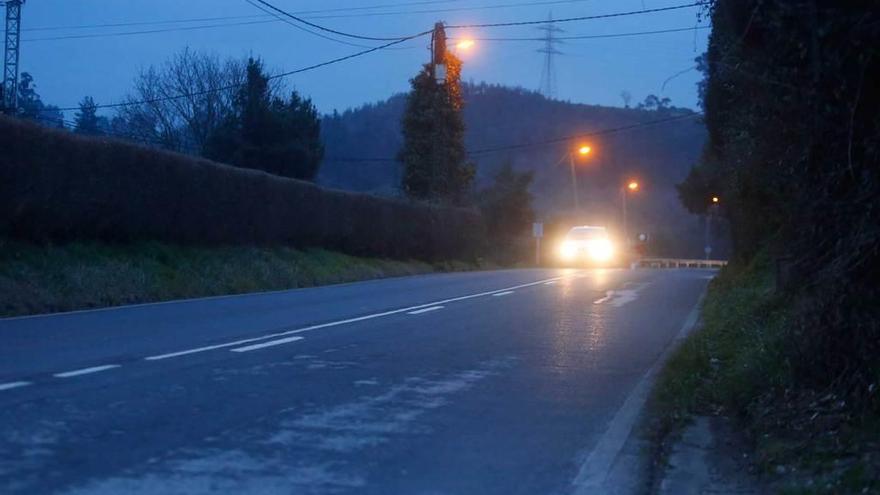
point(595, 469)
point(86, 371)
point(426, 310)
point(266, 344)
point(347, 321)
point(499, 294)
point(11, 385)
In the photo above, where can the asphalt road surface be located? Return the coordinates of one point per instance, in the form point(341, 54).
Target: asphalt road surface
point(505, 382)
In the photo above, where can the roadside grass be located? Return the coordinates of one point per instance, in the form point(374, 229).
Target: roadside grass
point(736, 364)
point(734, 355)
point(81, 275)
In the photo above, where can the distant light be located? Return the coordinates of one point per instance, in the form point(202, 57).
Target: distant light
point(715, 199)
point(633, 186)
point(464, 44)
point(585, 150)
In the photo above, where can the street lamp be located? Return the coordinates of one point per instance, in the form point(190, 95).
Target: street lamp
point(464, 44)
point(632, 186)
point(582, 150)
point(710, 212)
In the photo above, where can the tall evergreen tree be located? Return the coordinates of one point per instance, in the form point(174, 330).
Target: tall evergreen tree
point(87, 120)
point(265, 132)
point(433, 152)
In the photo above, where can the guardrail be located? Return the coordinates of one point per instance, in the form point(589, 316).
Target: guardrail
point(679, 263)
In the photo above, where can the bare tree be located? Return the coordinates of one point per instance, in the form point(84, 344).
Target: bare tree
point(178, 104)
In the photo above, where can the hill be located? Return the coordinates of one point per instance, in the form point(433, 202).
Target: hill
point(659, 156)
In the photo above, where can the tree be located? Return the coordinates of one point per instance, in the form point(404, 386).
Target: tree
point(180, 103)
point(87, 120)
point(267, 133)
point(507, 205)
point(653, 103)
point(433, 152)
point(31, 107)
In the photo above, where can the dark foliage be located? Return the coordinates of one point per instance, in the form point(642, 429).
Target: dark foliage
point(660, 156)
point(31, 106)
point(433, 154)
point(56, 185)
point(267, 133)
point(507, 209)
point(87, 120)
point(792, 102)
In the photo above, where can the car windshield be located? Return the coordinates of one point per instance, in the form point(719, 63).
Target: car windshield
point(587, 233)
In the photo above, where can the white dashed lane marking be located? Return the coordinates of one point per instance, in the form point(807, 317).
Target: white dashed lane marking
point(498, 292)
point(426, 310)
point(86, 371)
point(263, 345)
point(11, 385)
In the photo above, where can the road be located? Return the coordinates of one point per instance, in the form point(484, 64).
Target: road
point(504, 382)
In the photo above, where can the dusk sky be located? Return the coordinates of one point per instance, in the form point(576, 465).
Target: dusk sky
point(595, 71)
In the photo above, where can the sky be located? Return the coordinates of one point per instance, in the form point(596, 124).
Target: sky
point(101, 61)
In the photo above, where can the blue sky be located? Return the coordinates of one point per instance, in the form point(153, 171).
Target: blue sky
point(591, 71)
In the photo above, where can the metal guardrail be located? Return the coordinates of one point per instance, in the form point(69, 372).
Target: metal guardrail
point(679, 263)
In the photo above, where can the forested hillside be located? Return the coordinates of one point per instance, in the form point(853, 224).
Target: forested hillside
point(361, 144)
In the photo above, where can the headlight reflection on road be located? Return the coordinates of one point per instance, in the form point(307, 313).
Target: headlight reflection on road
point(579, 329)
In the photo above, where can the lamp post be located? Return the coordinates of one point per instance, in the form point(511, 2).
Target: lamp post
point(583, 150)
point(710, 211)
point(630, 187)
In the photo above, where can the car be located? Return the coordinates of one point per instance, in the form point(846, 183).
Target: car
point(587, 244)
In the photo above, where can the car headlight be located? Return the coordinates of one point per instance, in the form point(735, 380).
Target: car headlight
point(601, 250)
point(567, 250)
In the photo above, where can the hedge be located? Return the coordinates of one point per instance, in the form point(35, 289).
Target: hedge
point(57, 186)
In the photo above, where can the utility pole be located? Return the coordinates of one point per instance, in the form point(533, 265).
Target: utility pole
point(710, 212)
point(548, 74)
point(438, 70)
point(10, 58)
point(574, 183)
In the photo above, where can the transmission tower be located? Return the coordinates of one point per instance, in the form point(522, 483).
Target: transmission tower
point(548, 74)
point(10, 59)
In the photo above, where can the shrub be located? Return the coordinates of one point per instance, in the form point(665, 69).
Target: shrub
point(58, 186)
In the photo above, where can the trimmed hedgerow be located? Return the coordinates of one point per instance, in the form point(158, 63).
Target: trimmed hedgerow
point(56, 186)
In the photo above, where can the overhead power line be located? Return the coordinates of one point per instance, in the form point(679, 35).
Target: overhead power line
point(545, 142)
point(301, 28)
point(595, 36)
point(274, 20)
point(322, 28)
point(579, 18)
point(231, 17)
point(147, 31)
point(572, 137)
point(350, 12)
point(276, 76)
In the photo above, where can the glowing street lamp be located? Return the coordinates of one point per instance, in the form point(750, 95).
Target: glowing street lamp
point(715, 199)
point(631, 186)
point(582, 150)
point(465, 44)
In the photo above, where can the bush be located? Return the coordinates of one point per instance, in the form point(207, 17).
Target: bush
point(58, 186)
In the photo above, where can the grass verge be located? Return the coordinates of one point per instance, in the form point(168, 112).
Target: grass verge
point(81, 275)
point(737, 365)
